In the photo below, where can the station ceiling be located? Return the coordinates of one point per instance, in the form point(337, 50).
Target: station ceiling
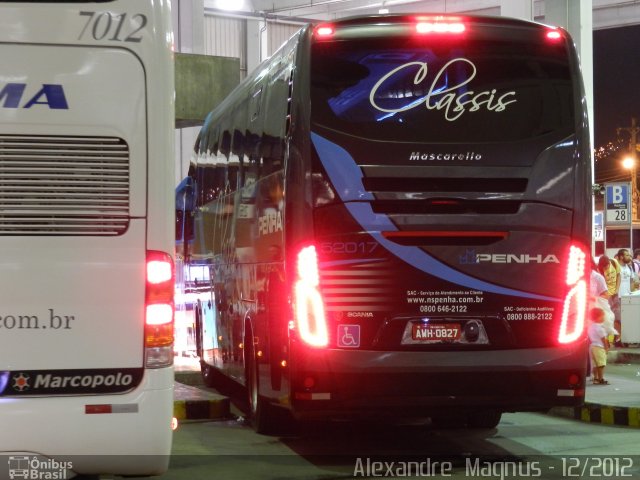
point(606, 13)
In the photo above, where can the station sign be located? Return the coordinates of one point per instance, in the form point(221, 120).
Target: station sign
point(618, 204)
point(598, 226)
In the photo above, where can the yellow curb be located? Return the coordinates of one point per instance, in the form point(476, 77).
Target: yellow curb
point(606, 416)
point(634, 417)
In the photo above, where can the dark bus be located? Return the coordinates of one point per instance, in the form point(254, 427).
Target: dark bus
point(395, 214)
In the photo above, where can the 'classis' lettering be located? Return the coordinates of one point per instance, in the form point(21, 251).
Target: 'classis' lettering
point(454, 104)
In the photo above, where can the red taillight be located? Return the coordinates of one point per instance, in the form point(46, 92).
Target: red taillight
point(159, 271)
point(575, 302)
point(554, 35)
point(159, 309)
point(324, 30)
point(428, 26)
point(309, 307)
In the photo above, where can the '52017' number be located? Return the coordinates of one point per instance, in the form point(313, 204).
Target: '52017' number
point(108, 26)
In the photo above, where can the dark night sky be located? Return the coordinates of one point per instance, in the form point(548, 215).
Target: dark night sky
point(616, 79)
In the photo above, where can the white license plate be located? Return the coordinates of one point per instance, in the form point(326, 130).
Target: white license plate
point(435, 332)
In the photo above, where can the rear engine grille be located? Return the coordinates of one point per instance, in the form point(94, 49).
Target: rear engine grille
point(63, 185)
point(431, 184)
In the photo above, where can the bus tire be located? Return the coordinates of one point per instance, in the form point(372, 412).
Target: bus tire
point(449, 420)
point(262, 415)
point(484, 419)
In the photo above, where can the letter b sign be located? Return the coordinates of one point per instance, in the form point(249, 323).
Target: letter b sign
point(617, 201)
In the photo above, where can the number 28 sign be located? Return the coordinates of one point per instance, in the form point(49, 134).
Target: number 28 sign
point(617, 199)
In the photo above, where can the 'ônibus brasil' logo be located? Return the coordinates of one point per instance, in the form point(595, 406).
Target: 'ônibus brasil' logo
point(13, 95)
point(440, 94)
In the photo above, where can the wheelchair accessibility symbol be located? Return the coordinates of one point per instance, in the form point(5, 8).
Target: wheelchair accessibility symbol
point(349, 336)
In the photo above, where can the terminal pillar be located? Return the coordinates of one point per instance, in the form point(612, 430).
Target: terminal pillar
point(576, 16)
point(522, 9)
point(188, 37)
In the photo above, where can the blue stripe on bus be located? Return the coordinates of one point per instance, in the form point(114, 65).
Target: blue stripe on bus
point(343, 171)
point(346, 177)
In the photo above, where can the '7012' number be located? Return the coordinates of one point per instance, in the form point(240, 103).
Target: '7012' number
point(108, 26)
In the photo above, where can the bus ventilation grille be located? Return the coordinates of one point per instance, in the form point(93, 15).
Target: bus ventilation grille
point(55, 185)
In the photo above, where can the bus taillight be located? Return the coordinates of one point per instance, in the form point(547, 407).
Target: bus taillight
point(159, 310)
point(324, 30)
point(309, 308)
point(425, 25)
point(575, 302)
point(554, 35)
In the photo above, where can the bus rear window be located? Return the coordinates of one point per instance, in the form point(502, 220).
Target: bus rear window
point(443, 89)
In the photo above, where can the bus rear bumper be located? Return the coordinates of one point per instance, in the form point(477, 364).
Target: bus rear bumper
point(133, 440)
point(423, 383)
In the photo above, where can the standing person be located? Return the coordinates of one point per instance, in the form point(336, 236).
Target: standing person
point(610, 270)
point(636, 261)
point(627, 273)
point(599, 346)
point(628, 281)
point(600, 298)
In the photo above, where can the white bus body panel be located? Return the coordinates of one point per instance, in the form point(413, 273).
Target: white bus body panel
point(119, 443)
point(113, 89)
point(89, 291)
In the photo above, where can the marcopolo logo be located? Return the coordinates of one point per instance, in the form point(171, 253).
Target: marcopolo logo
point(89, 381)
point(72, 381)
point(35, 468)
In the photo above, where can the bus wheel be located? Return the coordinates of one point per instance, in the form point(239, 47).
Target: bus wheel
point(484, 419)
point(449, 420)
point(261, 413)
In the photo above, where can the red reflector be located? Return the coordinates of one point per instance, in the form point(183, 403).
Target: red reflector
point(574, 379)
point(312, 396)
point(91, 409)
point(309, 382)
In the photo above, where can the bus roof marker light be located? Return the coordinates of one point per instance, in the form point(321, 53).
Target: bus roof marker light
point(324, 30)
point(424, 27)
point(554, 35)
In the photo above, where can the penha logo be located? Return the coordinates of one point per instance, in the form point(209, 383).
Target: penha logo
point(12, 95)
point(455, 100)
point(471, 257)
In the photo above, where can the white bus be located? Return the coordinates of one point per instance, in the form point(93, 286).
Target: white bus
point(87, 233)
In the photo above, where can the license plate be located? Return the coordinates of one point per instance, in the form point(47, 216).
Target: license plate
point(435, 332)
